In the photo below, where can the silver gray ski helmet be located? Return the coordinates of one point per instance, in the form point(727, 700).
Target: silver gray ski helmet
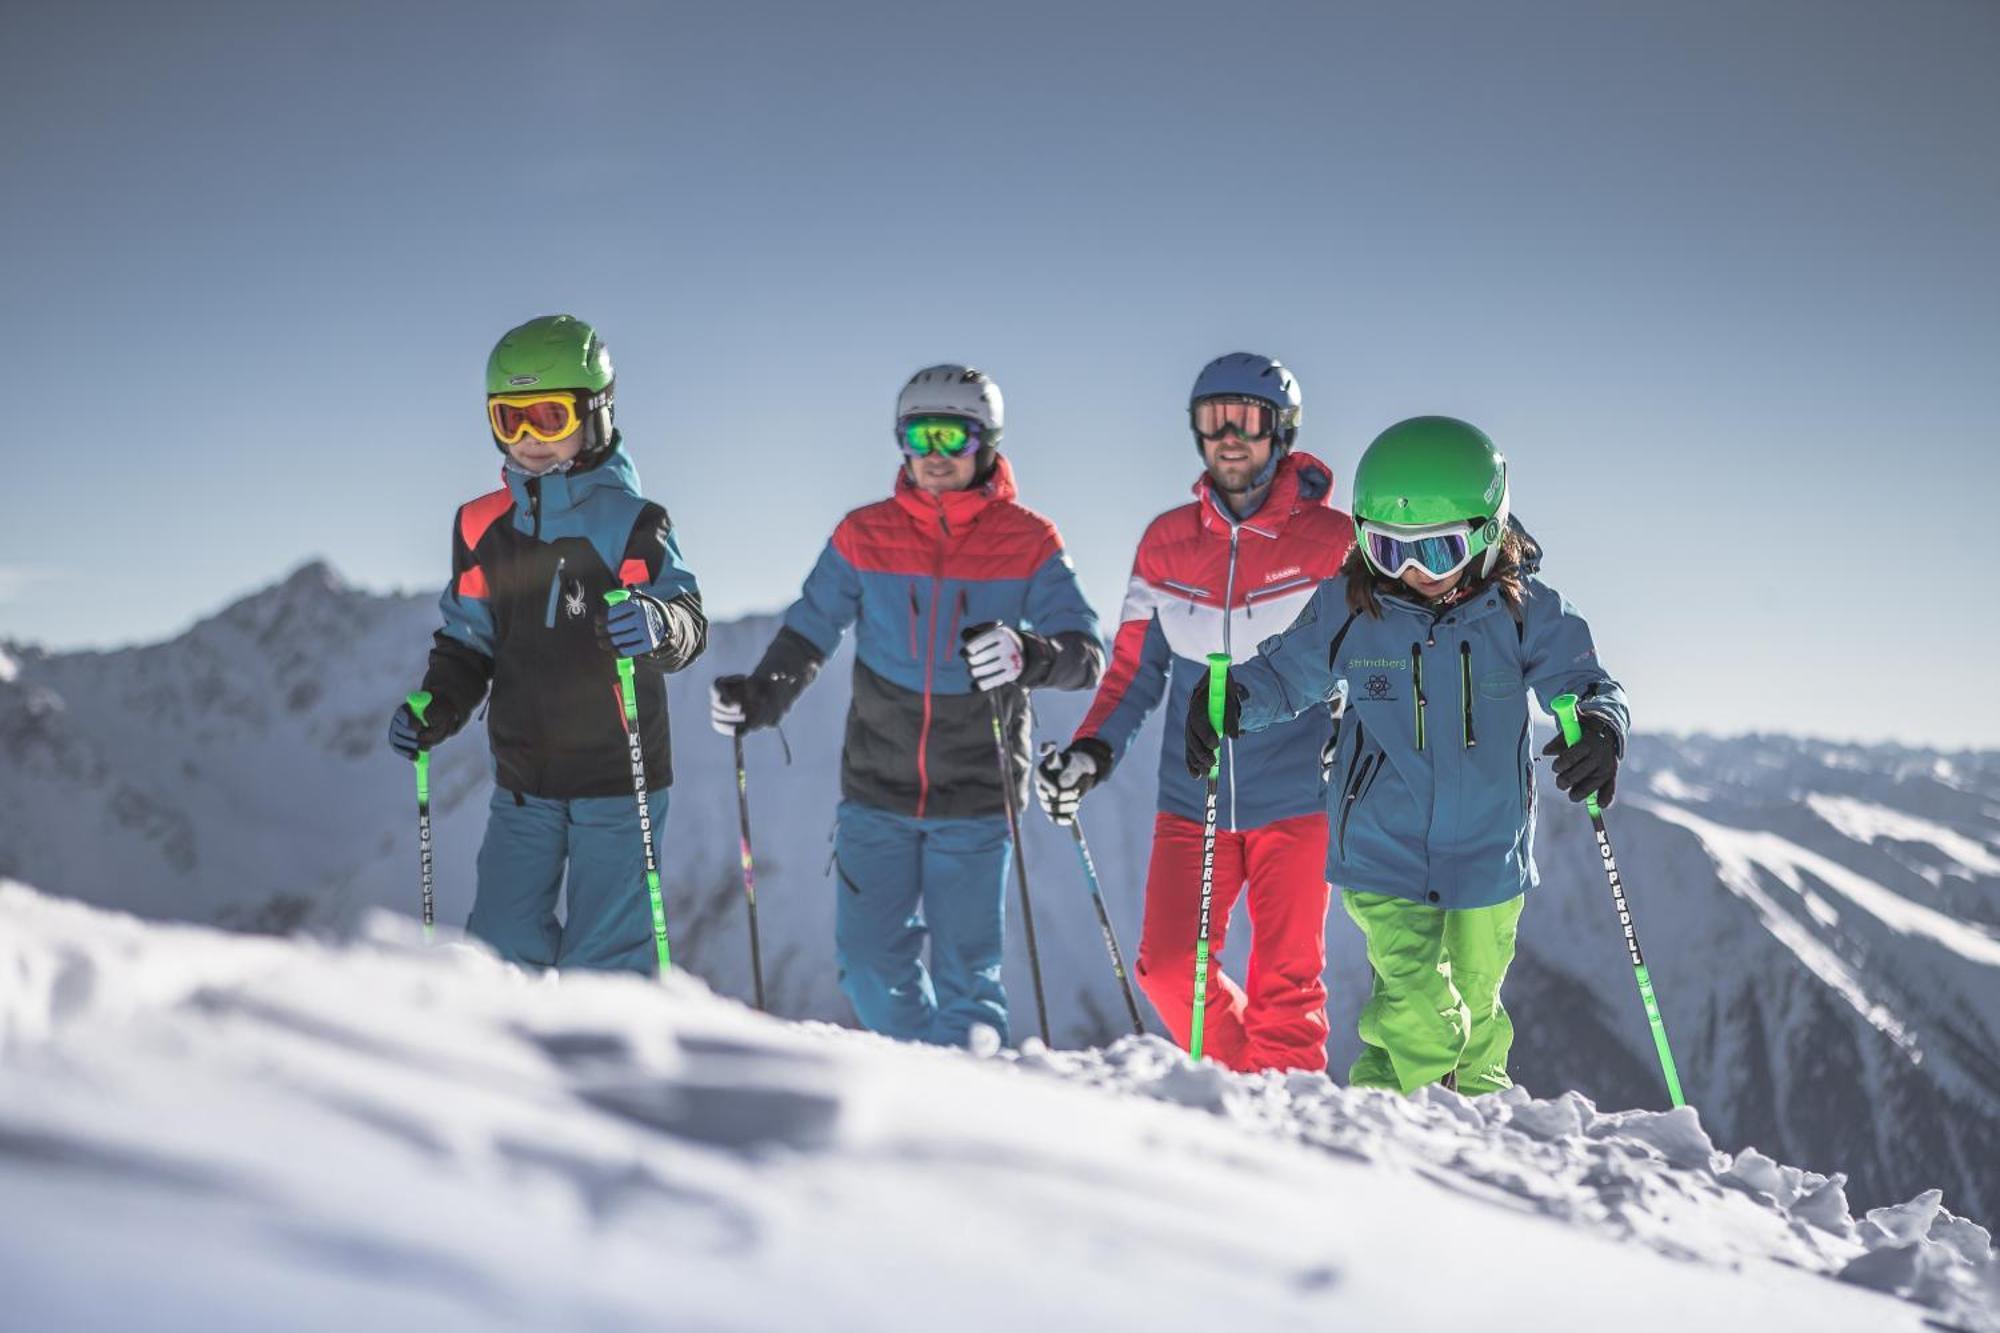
point(1247, 375)
point(957, 391)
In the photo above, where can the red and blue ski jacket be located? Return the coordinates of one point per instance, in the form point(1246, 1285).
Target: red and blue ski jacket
point(1205, 581)
point(910, 572)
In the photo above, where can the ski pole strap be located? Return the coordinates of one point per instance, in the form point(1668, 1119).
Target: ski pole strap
point(1564, 707)
point(1218, 704)
point(626, 695)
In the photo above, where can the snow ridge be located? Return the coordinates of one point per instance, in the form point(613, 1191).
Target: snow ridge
point(224, 1129)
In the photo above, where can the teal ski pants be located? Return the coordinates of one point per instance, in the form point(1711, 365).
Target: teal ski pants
point(531, 844)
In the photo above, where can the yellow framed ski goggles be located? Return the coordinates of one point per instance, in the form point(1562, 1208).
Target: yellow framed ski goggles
point(546, 416)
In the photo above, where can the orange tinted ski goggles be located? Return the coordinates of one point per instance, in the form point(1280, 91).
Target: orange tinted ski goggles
point(546, 416)
point(1248, 418)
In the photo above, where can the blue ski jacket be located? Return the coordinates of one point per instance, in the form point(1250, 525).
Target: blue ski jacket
point(1433, 797)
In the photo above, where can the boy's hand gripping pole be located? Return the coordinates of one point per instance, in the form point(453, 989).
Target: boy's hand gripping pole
point(1564, 707)
point(628, 696)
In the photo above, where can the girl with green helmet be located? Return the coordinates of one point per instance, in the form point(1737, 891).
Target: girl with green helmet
point(1437, 632)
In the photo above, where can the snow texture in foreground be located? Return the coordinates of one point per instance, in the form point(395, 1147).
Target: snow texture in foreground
point(220, 1131)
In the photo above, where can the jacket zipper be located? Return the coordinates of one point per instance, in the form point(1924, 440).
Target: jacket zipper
point(930, 664)
point(1527, 772)
point(913, 621)
point(1465, 689)
point(1417, 688)
point(555, 591)
point(1229, 595)
point(1353, 794)
point(1276, 590)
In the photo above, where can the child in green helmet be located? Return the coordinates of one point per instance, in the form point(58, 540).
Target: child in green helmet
point(1437, 631)
point(525, 615)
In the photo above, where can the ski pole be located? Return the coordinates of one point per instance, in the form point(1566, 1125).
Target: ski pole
point(1104, 923)
point(418, 702)
point(1020, 867)
point(1103, 916)
point(1564, 707)
point(1218, 695)
point(749, 876)
point(628, 696)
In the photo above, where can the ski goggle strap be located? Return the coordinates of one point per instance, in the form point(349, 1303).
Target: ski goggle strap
point(1249, 418)
point(1436, 552)
point(920, 437)
point(546, 416)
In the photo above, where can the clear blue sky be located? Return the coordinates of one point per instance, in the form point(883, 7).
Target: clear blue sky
point(1722, 279)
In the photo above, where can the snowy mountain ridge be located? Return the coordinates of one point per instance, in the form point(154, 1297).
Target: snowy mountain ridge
point(230, 1131)
point(1821, 919)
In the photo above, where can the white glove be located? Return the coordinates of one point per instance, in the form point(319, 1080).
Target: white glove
point(994, 656)
point(1061, 779)
point(725, 715)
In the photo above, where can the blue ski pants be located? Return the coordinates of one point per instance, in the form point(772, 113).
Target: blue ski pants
point(530, 841)
point(903, 880)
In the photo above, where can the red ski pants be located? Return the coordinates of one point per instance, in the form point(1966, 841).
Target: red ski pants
point(1279, 1021)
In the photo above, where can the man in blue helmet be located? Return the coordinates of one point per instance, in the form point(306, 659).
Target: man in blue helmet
point(1217, 575)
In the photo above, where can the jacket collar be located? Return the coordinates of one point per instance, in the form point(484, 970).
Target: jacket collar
point(957, 510)
point(1302, 482)
point(562, 491)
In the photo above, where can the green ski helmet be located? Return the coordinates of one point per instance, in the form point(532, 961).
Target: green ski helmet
point(558, 352)
point(1431, 473)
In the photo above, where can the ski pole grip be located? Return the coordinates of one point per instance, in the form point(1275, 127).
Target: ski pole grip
point(1564, 707)
point(418, 702)
point(1218, 689)
point(615, 596)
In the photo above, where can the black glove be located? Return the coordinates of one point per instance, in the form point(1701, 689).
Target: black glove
point(1064, 776)
point(1591, 765)
point(407, 736)
point(745, 703)
point(1202, 742)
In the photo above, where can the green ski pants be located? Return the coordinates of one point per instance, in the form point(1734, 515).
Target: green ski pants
point(1434, 998)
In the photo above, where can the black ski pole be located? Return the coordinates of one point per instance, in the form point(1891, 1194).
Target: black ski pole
point(749, 875)
point(1103, 916)
point(1020, 866)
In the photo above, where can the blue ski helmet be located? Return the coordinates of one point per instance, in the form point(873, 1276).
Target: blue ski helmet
point(1247, 375)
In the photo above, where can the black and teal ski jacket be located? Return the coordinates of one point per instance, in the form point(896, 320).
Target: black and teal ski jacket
point(530, 564)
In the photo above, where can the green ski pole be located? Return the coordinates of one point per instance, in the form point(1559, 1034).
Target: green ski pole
point(635, 751)
point(1564, 707)
point(1218, 695)
point(418, 702)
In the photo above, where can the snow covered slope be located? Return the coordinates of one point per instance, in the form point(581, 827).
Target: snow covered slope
point(216, 1131)
point(1822, 921)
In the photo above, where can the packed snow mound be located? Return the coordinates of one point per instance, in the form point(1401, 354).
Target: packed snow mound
point(225, 1130)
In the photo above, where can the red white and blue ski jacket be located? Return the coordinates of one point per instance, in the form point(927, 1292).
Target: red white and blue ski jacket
point(910, 572)
point(1204, 582)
